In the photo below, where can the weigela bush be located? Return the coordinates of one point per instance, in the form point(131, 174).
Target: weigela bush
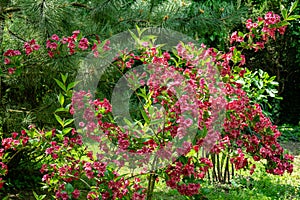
point(184, 84)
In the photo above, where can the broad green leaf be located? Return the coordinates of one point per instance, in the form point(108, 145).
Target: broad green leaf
point(191, 153)
point(60, 84)
point(293, 6)
point(48, 134)
point(61, 99)
point(145, 116)
point(59, 136)
point(60, 121)
point(283, 11)
point(142, 95)
point(136, 39)
point(64, 77)
point(35, 195)
point(66, 130)
point(149, 37)
point(293, 17)
point(69, 188)
point(127, 122)
point(138, 30)
point(281, 24)
point(156, 121)
point(68, 121)
point(72, 85)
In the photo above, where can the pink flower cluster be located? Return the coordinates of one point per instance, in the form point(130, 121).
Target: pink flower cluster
point(74, 44)
point(31, 46)
point(178, 171)
point(67, 163)
point(268, 30)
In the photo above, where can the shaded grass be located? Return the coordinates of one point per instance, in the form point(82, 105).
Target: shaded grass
point(260, 186)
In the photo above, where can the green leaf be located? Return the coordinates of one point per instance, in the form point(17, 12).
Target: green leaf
point(35, 195)
point(145, 116)
point(69, 188)
point(60, 121)
point(48, 134)
point(60, 136)
point(72, 85)
point(61, 99)
point(293, 6)
point(156, 121)
point(191, 153)
point(64, 77)
point(68, 121)
point(136, 39)
point(138, 30)
point(293, 17)
point(270, 93)
point(62, 110)
point(127, 122)
point(280, 24)
point(66, 130)
point(241, 81)
point(283, 11)
point(60, 84)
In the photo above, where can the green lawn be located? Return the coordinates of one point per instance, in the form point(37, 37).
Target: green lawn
point(260, 185)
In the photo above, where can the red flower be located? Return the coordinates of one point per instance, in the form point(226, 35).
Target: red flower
point(76, 194)
point(55, 37)
point(83, 44)
point(6, 61)
point(11, 70)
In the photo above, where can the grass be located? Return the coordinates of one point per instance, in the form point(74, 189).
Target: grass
point(260, 185)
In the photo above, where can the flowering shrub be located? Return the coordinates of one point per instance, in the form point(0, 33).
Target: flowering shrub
point(183, 83)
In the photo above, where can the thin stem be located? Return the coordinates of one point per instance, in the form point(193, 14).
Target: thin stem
point(219, 169)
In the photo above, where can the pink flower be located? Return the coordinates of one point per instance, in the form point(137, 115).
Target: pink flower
point(106, 46)
point(281, 30)
point(123, 144)
point(76, 194)
point(1, 183)
point(94, 48)
point(71, 45)
point(50, 54)
point(96, 54)
point(55, 37)
point(83, 44)
point(11, 52)
point(31, 46)
point(260, 19)
point(51, 45)
point(233, 37)
point(81, 124)
point(75, 34)
point(36, 47)
point(6, 61)
point(249, 24)
point(11, 70)
point(14, 135)
point(145, 44)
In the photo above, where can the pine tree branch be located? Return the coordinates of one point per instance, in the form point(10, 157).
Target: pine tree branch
point(15, 35)
point(80, 5)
